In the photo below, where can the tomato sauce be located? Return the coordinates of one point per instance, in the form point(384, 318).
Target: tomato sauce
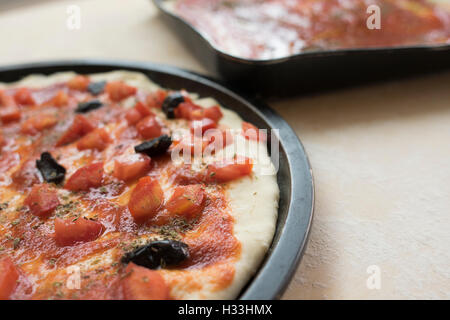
point(268, 29)
point(30, 240)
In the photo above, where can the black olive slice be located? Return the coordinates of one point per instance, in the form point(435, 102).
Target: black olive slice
point(158, 254)
point(170, 103)
point(87, 106)
point(50, 169)
point(96, 87)
point(154, 147)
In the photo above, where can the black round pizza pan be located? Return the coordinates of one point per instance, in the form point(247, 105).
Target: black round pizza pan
point(294, 175)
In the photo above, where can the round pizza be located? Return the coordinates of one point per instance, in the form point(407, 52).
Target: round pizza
point(112, 187)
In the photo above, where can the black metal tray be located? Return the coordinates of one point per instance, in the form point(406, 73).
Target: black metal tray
point(294, 176)
point(309, 72)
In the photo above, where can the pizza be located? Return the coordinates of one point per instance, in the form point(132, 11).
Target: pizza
point(112, 187)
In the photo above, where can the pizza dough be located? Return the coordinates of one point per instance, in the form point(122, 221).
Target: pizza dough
point(252, 202)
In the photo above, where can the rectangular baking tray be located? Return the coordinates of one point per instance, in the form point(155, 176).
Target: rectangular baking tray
point(310, 71)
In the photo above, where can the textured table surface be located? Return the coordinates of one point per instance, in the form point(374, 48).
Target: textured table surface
point(380, 154)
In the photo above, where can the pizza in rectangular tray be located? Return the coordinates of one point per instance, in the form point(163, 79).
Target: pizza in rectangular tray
point(112, 187)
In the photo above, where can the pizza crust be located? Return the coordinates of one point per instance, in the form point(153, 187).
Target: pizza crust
point(253, 199)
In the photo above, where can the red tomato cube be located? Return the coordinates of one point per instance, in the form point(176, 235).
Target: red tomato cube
point(70, 232)
point(8, 277)
point(156, 99)
point(199, 127)
point(185, 111)
point(97, 139)
point(131, 166)
point(187, 201)
point(213, 113)
point(38, 123)
point(118, 90)
point(143, 109)
point(6, 100)
point(59, 99)
point(80, 127)
point(133, 116)
point(2, 141)
point(250, 132)
point(217, 139)
point(149, 128)
point(23, 97)
point(85, 178)
point(79, 83)
point(140, 283)
point(10, 114)
point(190, 145)
point(229, 170)
point(42, 200)
point(146, 199)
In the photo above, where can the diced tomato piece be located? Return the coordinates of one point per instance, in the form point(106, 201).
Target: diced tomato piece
point(118, 90)
point(2, 141)
point(131, 166)
point(218, 139)
point(80, 127)
point(38, 123)
point(42, 200)
point(143, 109)
point(23, 97)
point(96, 139)
point(146, 199)
point(185, 111)
point(60, 99)
point(193, 145)
point(249, 131)
point(213, 113)
point(69, 232)
point(191, 111)
point(140, 283)
point(8, 278)
point(79, 83)
point(149, 127)
point(229, 170)
point(156, 99)
point(90, 176)
point(133, 116)
point(6, 100)
point(9, 111)
point(26, 175)
point(199, 127)
point(10, 114)
point(187, 201)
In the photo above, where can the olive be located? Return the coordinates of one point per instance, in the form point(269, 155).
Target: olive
point(87, 106)
point(170, 103)
point(51, 171)
point(158, 254)
point(96, 87)
point(154, 147)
